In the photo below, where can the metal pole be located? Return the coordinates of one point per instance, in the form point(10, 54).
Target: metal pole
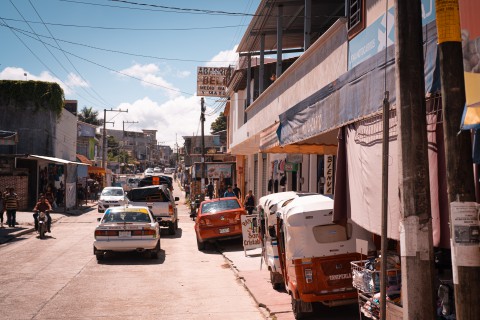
point(384, 243)
point(202, 120)
point(104, 145)
point(279, 40)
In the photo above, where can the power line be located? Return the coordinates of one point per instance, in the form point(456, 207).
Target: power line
point(68, 59)
point(113, 51)
point(127, 29)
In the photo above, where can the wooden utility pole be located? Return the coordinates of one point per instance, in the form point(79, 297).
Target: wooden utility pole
point(458, 150)
point(416, 241)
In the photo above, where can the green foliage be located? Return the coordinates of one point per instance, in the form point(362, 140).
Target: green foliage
point(47, 96)
point(88, 115)
point(219, 124)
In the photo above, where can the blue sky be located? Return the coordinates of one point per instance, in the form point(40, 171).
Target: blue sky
point(165, 40)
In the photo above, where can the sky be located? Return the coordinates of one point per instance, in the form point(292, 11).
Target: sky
point(138, 55)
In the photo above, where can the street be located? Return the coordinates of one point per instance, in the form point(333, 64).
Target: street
point(59, 278)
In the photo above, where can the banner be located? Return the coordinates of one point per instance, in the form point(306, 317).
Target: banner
point(212, 82)
point(251, 231)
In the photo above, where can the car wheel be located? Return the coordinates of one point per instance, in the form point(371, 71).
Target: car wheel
point(200, 245)
point(176, 224)
point(100, 256)
point(297, 309)
point(171, 228)
point(274, 281)
point(154, 253)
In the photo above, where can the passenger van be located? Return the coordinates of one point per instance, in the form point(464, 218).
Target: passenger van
point(315, 253)
point(267, 207)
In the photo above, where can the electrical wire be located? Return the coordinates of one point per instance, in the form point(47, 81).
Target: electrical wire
point(128, 29)
point(71, 63)
point(113, 51)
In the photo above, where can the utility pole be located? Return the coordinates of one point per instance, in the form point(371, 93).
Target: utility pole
point(458, 150)
point(416, 240)
point(202, 120)
point(104, 153)
point(123, 142)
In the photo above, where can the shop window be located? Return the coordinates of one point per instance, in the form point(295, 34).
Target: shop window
point(356, 17)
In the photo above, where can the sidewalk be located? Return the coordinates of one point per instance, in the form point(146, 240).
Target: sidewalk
point(25, 223)
point(257, 281)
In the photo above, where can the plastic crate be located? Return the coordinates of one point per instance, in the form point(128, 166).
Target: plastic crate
point(368, 281)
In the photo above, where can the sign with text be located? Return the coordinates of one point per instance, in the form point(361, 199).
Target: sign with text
point(251, 231)
point(328, 174)
point(212, 81)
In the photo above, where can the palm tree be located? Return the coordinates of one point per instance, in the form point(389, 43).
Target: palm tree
point(89, 116)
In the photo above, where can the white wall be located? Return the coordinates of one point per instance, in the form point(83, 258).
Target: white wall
point(66, 136)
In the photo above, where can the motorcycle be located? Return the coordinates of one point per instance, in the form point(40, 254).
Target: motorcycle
point(42, 224)
point(194, 206)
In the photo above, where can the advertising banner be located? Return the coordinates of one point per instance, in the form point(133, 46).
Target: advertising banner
point(251, 232)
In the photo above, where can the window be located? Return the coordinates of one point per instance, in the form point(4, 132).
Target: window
point(331, 233)
point(356, 17)
point(222, 205)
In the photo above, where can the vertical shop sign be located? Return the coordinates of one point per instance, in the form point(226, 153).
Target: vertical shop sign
point(251, 232)
point(328, 174)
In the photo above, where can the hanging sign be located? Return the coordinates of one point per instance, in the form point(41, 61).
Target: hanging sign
point(328, 173)
point(212, 82)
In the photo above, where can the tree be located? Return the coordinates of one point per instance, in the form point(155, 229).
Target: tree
point(89, 116)
point(219, 124)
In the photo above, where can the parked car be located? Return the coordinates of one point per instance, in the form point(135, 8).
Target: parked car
point(148, 172)
point(169, 171)
point(111, 197)
point(160, 200)
point(218, 219)
point(127, 229)
point(157, 170)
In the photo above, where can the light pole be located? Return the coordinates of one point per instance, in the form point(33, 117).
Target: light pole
point(104, 153)
point(123, 141)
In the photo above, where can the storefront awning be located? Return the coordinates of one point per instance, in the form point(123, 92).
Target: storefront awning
point(471, 114)
point(52, 159)
point(323, 144)
point(8, 138)
point(96, 170)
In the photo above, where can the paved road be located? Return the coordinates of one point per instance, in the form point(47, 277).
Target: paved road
point(59, 278)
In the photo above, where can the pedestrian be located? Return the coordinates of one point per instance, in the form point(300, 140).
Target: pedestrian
point(49, 195)
point(210, 189)
point(249, 202)
point(11, 204)
point(2, 208)
point(237, 191)
point(229, 192)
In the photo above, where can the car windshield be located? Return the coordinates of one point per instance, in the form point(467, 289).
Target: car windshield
point(222, 205)
point(121, 216)
point(112, 192)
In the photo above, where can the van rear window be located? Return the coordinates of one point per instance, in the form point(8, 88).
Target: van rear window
point(330, 233)
point(148, 194)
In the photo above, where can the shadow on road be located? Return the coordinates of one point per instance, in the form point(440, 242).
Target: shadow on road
point(131, 258)
point(164, 233)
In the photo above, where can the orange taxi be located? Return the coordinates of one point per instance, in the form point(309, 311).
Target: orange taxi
point(218, 219)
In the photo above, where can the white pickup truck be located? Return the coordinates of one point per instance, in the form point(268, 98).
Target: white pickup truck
point(160, 200)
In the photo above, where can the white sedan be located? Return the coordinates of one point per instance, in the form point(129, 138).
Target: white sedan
point(123, 229)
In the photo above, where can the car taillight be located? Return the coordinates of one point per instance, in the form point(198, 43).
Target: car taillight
point(106, 233)
point(205, 222)
point(308, 276)
point(145, 232)
point(170, 209)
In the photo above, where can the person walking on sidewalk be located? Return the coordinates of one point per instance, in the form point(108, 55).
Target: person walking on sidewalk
point(2, 208)
point(229, 192)
point(237, 191)
point(250, 202)
point(42, 206)
point(11, 204)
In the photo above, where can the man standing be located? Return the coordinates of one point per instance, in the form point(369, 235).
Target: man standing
point(250, 202)
point(11, 204)
point(237, 191)
point(229, 192)
point(210, 190)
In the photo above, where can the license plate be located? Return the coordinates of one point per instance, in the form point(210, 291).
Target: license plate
point(124, 234)
point(224, 230)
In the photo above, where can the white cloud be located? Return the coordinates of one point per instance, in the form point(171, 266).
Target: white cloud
point(180, 116)
point(150, 76)
point(73, 81)
point(224, 58)
point(183, 74)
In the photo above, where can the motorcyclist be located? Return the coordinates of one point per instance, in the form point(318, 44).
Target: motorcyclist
point(42, 206)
